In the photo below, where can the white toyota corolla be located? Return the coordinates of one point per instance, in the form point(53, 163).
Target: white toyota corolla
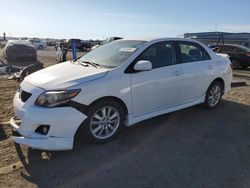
point(118, 84)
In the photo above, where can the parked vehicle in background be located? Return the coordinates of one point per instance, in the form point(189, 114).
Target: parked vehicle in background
point(120, 83)
point(19, 50)
point(95, 46)
point(79, 44)
point(86, 46)
point(214, 47)
point(51, 43)
point(38, 43)
point(239, 55)
point(110, 39)
point(106, 41)
point(2, 44)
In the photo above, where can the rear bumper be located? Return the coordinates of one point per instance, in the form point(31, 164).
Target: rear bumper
point(227, 88)
point(245, 63)
point(228, 77)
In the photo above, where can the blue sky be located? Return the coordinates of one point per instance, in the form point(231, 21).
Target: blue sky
point(98, 19)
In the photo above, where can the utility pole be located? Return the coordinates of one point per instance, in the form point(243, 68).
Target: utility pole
point(4, 36)
point(216, 27)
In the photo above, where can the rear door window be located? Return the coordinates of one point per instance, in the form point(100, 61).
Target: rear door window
point(192, 52)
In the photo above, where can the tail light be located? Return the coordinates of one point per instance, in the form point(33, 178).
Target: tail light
point(248, 54)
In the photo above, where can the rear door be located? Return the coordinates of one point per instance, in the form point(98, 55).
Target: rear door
point(197, 70)
point(160, 87)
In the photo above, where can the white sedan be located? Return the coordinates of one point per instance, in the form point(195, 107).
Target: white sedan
point(38, 43)
point(121, 83)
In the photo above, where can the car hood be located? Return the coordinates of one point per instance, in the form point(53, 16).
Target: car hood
point(64, 75)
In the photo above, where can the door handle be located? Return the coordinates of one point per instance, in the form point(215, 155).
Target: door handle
point(176, 73)
point(210, 67)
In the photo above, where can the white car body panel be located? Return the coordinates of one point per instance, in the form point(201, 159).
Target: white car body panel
point(223, 55)
point(196, 77)
point(145, 94)
point(58, 77)
point(161, 86)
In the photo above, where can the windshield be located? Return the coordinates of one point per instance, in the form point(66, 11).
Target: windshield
point(112, 54)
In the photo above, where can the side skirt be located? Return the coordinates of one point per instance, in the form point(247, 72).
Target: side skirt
point(133, 120)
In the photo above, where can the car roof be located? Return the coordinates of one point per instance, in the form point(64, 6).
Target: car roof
point(150, 39)
point(237, 46)
point(234, 45)
point(19, 42)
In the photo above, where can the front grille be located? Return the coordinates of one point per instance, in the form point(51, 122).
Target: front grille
point(25, 95)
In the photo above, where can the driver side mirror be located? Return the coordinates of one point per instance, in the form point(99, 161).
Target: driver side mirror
point(143, 65)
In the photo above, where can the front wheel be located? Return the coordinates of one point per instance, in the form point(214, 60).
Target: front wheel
point(104, 122)
point(213, 95)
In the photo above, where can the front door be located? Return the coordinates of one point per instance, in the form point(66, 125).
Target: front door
point(160, 87)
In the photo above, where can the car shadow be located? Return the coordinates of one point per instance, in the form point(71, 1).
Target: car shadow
point(3, 135)
point(193, 147)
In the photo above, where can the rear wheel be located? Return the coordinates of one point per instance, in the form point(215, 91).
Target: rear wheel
point(34, 59)
point(236, 64)
point(213, 95)
point(104, 122)
point(40, 47)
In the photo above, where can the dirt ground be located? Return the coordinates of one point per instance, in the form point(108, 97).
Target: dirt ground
point(193, 147)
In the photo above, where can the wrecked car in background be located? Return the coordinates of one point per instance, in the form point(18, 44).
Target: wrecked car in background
point(19, 50)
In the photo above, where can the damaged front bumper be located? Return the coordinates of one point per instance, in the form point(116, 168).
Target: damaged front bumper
point(39, 141)
point(63, 123)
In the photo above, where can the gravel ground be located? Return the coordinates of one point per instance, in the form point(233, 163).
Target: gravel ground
point(193, 147)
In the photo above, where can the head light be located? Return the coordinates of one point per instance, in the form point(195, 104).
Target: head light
point(56, 98)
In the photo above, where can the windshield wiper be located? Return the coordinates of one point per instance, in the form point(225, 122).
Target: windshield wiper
point(86, 63)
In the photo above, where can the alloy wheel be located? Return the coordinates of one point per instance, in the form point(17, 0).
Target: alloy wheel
point(236, 64)
point(214, 95)
point(104, 122)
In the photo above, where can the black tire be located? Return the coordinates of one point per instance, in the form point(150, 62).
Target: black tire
point(40, 47)
point(208, 104)
point(34, 59)
point(84, 49)
point(236, 64)
point(244, 67)
point(86, 127)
